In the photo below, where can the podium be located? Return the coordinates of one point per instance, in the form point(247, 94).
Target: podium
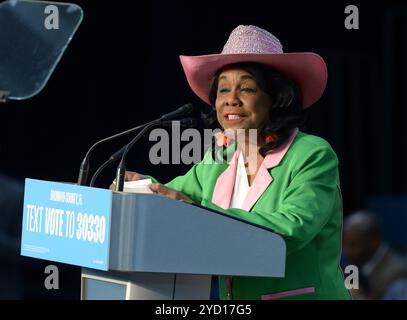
point(166, 249)
point(142, 246)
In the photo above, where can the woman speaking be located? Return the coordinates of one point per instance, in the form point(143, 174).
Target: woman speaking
point(282, 179)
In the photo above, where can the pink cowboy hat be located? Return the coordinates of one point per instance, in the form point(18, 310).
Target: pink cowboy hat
point(253, 44)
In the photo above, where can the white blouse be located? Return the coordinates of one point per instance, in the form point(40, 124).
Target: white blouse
point(241, 187)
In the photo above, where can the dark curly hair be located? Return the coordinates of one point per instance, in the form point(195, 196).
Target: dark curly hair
point(285, 113)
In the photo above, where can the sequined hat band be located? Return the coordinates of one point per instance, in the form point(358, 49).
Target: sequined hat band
point(251, 39)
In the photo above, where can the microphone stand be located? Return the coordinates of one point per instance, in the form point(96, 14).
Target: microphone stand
point(84, 168)
point(121, 169)
point(187, 122)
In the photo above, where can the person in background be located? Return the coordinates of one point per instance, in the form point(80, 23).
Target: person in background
point(376, 261)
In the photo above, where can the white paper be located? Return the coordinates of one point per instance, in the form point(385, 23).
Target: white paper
point(138, 186)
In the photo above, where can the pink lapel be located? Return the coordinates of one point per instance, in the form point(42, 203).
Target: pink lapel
point(263, 177)
point(222, 194)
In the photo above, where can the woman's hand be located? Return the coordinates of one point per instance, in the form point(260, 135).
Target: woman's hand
point(129, 176)
point(168, 192)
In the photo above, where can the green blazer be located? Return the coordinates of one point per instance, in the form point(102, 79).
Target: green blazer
point(296, 194)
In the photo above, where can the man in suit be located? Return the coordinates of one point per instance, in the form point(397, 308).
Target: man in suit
point(377, 262)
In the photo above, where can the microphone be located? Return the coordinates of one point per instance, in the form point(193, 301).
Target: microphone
point(185, 109)
point(84, 167)
point(188, 122)
point(121, 169)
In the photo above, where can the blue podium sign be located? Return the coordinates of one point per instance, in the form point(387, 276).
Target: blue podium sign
point(66, 223)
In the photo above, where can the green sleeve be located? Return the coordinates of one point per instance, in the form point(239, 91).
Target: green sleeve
point(307, 202)
point(153, 180)
point(189, 183)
